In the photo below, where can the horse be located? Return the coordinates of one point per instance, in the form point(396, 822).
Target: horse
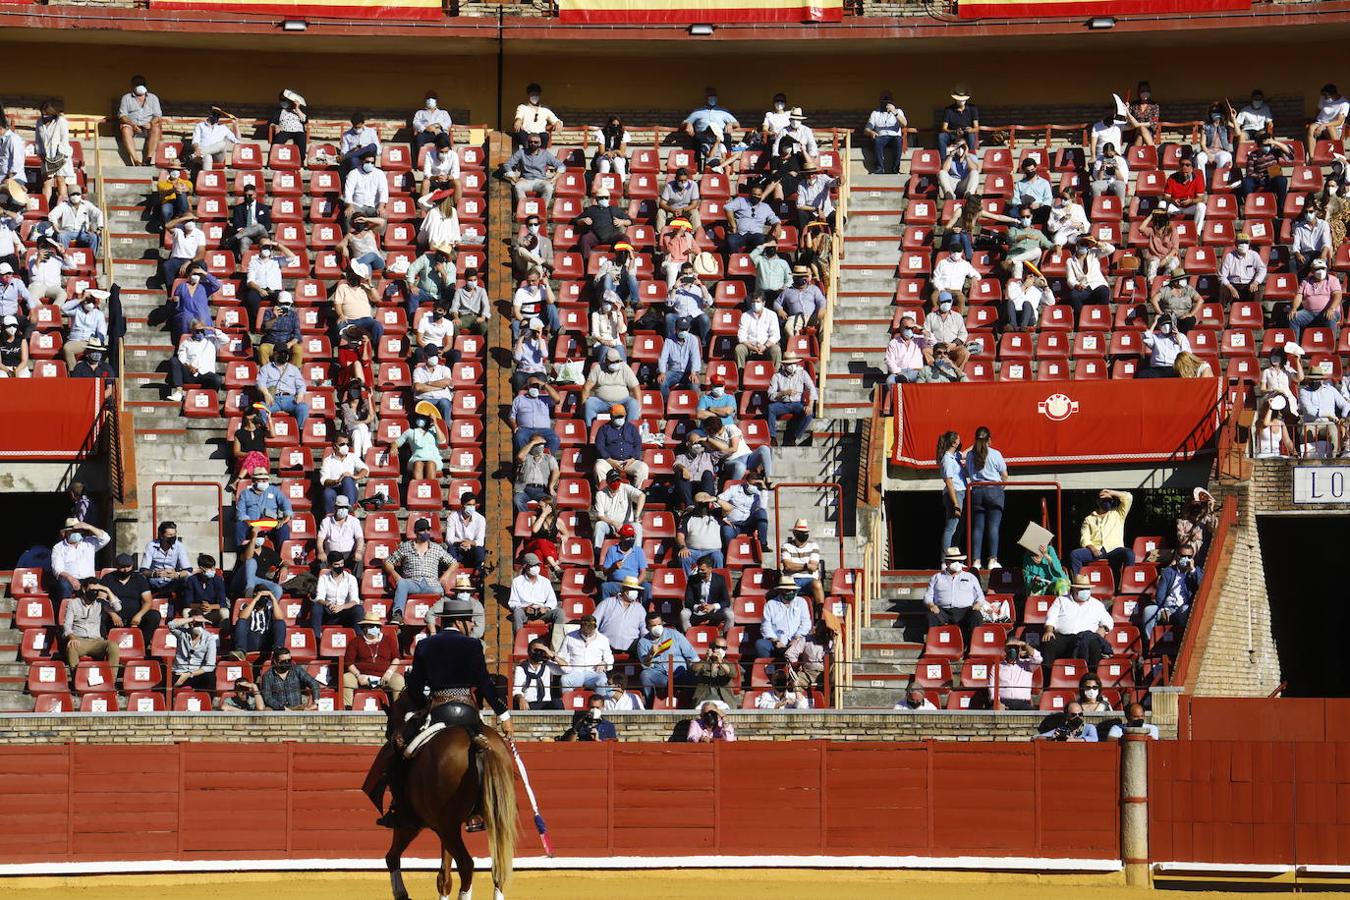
point(442, 786)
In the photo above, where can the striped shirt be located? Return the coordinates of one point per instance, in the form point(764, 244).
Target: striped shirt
point(799, 555)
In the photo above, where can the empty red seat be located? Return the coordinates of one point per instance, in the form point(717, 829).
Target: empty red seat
point(1066, 673)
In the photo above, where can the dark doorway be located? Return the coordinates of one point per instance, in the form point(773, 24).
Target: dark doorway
point(1309, 615)
point(28, 519)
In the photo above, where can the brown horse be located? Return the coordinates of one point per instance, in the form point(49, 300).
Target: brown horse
point(442, 787)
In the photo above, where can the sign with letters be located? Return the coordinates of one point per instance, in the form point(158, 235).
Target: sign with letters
point(1322, 484)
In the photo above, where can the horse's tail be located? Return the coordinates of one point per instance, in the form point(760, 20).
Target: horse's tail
point(499, 811)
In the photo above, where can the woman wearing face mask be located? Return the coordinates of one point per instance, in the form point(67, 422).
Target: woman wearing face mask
point(1146, 115)
point(1217, 139)
point(440, 222)
point(984, 463)
point(1068, 220)
point(611, 152)
point(1090, 694)
point(361, 245)
point(1043, 573)
point(430, 123)
point(424, 438)
point(676, 248)
point(617, 274)
point(13, 350)
point(441, 168)
point(250, 444)
point(52, 134)
point(548, 529)
point(609, 329)
point(289, 123)
point(951, 464)
point(1280, 379)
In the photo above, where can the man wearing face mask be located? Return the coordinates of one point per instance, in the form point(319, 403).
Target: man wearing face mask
point(1026, 242)
point(954, 595)
point(603, 224)
point(339, 471)
point(281, 325)
point(464, 593)
point(610, 387)
point(618, 446)
point(13, 351)
point(72, 558)
point(204, 593)
point(261, 500)
point(94, 364)
point(76, 220)
point(663, 652)
point(617, 275)
point(716, 403)
point(1165, 343)
point(1264, 171)
point(532, 169)
point(1172, 597)
point(187, 243)
point(15, 299)
point(1134, 718)
point(800, 303)
point(753, 222)
point(282, 387)
point(134, 600)
point(532, 120)
point(288, 686)
point(441, 168)
point(1317, 304)
point(165, 560)
point(1103, 534)
point(620, 617)
point(259, 626)
point(341, 532)
point(195, 651)
point(430, 122)
point(1110, 173)
point(194, 362)
point(623, 561)
point(139, 116)
point(1311, 240)
point(743, 510)
point(706, 124)
point(470, 306)
point(1071, 727)
point(212, 139)
point(537, 474)
point(953, 274)
point(532, 686)
point(366, 192)
point(1184, 194)
point(1016, 675)
point(699, 536)
point(431, 382)
point(616, 504)
point(586, 654)
point(707, 601)
point(695, 469)
point(250, 221)
point(1031, 194)
point(82, 625)
point(86, 324)
point(960, 172)
point(791, 393)
point(1076, 626)
point(679, 200)
point(886, 127)
point(1323, 413)
point(418, 566)
point(530, 357)
point(531, 415)
point(1242, 275)
point(466, 533)
point(531, 248)
point(681, 362)
point(787, 622)
point(906, 354)
point(758, 334)
point(371, 661)
point(532, 596)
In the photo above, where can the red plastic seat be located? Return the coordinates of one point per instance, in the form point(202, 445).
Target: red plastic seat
point(1056, 699)
point(1066, 673)
point(987, 641)
point(932, 674)
point(196, 701)
point(47, 676)
point(1138, 578)
point(94, 675)
point(141, 675)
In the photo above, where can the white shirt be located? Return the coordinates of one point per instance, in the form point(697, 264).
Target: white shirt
point(1019, 295)
point(69, 216)
point(886, 123)
point(440, 229)
point(9, 235)
point(199, 356)
point(1068, 616)
point(1088, 269)
point(538, 592)
point(776, 122)
point(1253, 118)
point(366, 188)
point(806, 141)
point(442, 165)
point(335, 468)
point(1333, 109)
point(352, 139)
point(422, 374)
point(186, 244)
point(1070, 217)
point(1163, 349)
point(77, 560)
point(433, 333)
point(578, 652)
point(424, 118)
point(535, 119)
point(542, 687)
point(12, 155)
point(1105, 134)
point(339, 535)
point(337, 592)
point(758, 329)
point(1113, 169)
point(458, 530)
point(265, 273)
point(208, 135)
point(951, 273)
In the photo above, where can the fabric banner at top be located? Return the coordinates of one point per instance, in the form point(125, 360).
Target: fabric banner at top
point(691, 12)
point(1047, 423)
point(329, 9)
point(50, 418)
point(1048, 9)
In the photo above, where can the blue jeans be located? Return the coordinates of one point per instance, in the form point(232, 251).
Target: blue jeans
point(626, 288)
point(986, 515)
point(473, 557)
point(346, 487)
point(757, 524)
point(674, 380)
point(174, 208)
point(251, 579)
point(687, 563)
point(290, 406)
point(521, 437)
point(880, 144)
point(253, 642)
point(798, 425)
point(90, 240)
point(548, 315)
point(1149, 620)
point(951, 520)
point(374, 260)
point(591, 681)
point(170, 268)
point(366, 323)
point(654, 678)
point(595, 406)
point(348, 618)
point(735, 469)
point(443, 406)
point(905, 376)
point(1023, 315)
point(526, 493)
point(1327, 318)
point(408, 586)
point(744, 243)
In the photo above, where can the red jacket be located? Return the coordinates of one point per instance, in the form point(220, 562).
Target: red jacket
point(371, 658)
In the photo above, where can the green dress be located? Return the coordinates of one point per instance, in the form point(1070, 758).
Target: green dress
point(1046, 576)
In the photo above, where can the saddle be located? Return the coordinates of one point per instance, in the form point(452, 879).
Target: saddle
point(422, 727)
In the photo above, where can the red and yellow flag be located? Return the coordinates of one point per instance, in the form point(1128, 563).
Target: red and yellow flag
point(691, 12)
point(1049, 9)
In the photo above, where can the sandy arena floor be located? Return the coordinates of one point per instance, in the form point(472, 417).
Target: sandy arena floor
point(648, 885)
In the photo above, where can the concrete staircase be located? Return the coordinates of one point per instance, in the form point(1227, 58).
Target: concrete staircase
point(13, 673)
point(169, 447)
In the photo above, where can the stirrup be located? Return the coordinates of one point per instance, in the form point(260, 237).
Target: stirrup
point(475, 823)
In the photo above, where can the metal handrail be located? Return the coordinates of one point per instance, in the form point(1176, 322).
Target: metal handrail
point(1059, 506)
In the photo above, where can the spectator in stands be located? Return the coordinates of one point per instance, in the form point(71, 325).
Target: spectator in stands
point(1184, 194)
point(436, 332)
point(532, 413)
point(1134, 718)
point(1026, 242)
point(787, 621)
point(1242, 275)
point(615, 504)
point(258, 562)
point(1103, 534)
point(1329, 123)
point(282, 387)
point(281, 327)
point(537, 473)
point(464, 593)
point(886, 127)
point(356, 143)
point(1067, 221)
point(365, 191)
point(532, 685)
point(783, 694)
point(430, 123)
point(13, 351)
point(773, 273)
point(985, 463)
point(533, 301)
point(1311, 241)
point(960, 173)
point(743, 509)
point(1162, 252)
point(1110, 173)
point(1042, 572)
point(617, 274)
point(356, 417)
point(51, 134)
point(609, 330)
point(1026, 298)
point(800, 304)
point(470, 305)
point(532, 169)
point(758, 334)
point(262, 501)
point(813, 201)
point(1076, 626)
point(586, 655)
point(665, 654)
point(430, 279)
point(258, 624)
point(728, 440)
point(76, 220)
point(791, 393)
point(72, 558)
point(1145, 116)
point(371, 661)
point(716, 403)
point(1263, 172)
point(953, 274)
point(288, 686)
point(622, 612)
point(534, 122)
point(706, 598)
point(187, 244)
point(431, 382)
point(707, 125)
point(211, 140)
point(1256, 120)
point(530, 249)
point(676, 248)
point(250, 444)
point(610, 387)
point(361, 246)
point(1165, 342)
point(798, 134)
point(466, 533)
point(440, 219)
point(86, 324)
point(47, 270)
point(340, 532)
point(699, 535)
point(1016, 672)
point(139, 116)
point(1196, 524)
point(174, 192)
point(1174, 593)
point(679, 200)
point(1107, 131)
point(13, 153)
point(83, 625)
point(948, 327)
point(680, 364)
point(190, 300)
point(799, 558)
point(611, 152)
point(1218, 136)
point(1071, 727)
point(204, 592)
point(532, 597)
point(1031, 193)
point(915, 701)
point(960, 121)
point(1090, 694)
point(339, 471)
point(1323, 413)
point(418, 566)
point(954, 595)
point(425, 461)
point(134, 604)
point(94, 364)
point(715, 678)
point(1086, 280)
point(753, 222)
point(711, 725)
point(194, 362)
point(289, 123)
point(906, 353)
point(695, 468)
point(690, 300)
point(194, 655)
point(264, 279)
point(249, 221)
point(81, 504)
point(602, 224)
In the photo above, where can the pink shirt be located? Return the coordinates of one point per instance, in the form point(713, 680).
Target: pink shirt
point(1317, 294)
point(1014, 681)
point(902, 355)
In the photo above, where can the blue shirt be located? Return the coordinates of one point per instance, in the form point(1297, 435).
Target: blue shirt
point(708, 401)
point(679, 650)
point(785, 621)
point(281, 328)
point(953, 468)
point(751, 218)
point(686, 302)
point(994, 469)
point(156, 557)
point(532, 412)
point(11, 294)
point(281, 379)
point(85, 324)
point(618, 442)
point(803, 301)
point(1037, 190)
point(706, 116)
point(634, 563)
point(193, 302)
point(270, 503)
point(212, 592)
point(681, 356)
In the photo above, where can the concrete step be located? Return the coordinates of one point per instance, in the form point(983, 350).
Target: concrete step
point(876, 307)
point(873, 697)
point(860, 179)
point(873, 249)
point(153, 448)
point(853, 335)
point(875, 197)
point(13, 701)
point(873, 222)
point(136, 273)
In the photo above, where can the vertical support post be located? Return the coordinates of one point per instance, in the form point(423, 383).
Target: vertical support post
point(1134, 806)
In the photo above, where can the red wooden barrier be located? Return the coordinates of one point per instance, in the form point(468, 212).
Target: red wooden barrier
point(279, 801)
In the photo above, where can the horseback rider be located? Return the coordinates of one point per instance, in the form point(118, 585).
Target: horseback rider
point(448, 670)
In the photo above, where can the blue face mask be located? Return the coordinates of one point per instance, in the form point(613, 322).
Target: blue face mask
point(75, 537)
point(367, 167)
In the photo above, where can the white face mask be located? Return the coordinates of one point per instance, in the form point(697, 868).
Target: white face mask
point(189, 227)
point(1091, 693)
point(140, 90)
point(657, 630)
point(955, 566)
point(431, 103)
point(534, 98)
point(618, 422)
point(340, 513)
point(718, 391)
point(265, 253)
point(532, 571)
point(779, 106)
point(1083, 595)
point(367, 167)
point(945, 306)
point(533, 229)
